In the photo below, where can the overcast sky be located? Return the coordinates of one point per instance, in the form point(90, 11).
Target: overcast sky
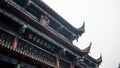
point(102, 25)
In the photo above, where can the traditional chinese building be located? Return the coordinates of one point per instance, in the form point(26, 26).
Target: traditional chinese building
point(32, 35)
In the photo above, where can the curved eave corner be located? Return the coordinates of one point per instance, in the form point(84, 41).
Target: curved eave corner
point(81, 30)
point(99, 60)
point(87, 49)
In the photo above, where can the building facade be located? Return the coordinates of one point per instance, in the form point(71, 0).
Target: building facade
point(32, 35)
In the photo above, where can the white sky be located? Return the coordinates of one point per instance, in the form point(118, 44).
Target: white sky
point(102, 19)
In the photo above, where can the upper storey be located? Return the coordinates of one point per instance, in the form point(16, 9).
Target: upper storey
point(50, 19)
point(46, 25)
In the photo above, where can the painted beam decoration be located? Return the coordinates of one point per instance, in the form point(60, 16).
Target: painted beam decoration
point(39, 41)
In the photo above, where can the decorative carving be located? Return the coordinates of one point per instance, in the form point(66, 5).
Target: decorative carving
point(37, 40)
point(73, 37)
point(22, 29)
point(27, 4)
point(44, 20)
